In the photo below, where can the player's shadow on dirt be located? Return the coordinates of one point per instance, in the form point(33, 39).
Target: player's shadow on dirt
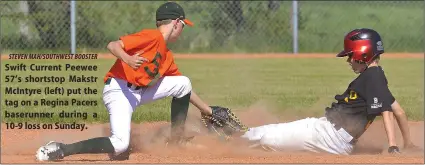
point(82, 160)
point(367, 147)
point(366, 150)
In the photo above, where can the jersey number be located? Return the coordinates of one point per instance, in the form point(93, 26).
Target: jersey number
point(154, 73)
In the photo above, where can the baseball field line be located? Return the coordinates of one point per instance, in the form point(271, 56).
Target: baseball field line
point(255, 55)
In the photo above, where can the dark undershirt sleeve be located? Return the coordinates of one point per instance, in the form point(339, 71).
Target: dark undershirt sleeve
point(378, 96)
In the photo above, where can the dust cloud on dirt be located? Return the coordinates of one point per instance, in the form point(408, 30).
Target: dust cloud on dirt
point(147, 142)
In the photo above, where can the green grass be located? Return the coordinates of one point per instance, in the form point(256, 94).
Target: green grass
point(325, 23)
point(303, 87)
point(322, 25)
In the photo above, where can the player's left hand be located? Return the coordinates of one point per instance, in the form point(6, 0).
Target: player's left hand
point(223, 122)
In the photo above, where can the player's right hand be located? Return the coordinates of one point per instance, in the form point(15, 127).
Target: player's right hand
point(393, 150)
point(135, 60)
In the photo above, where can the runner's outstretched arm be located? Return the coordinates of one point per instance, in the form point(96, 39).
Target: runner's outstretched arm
point(389, 127)
point(402, 122)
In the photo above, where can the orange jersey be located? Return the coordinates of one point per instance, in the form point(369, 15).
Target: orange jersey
point(161, 61)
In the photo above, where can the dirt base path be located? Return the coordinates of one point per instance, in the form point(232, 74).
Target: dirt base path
point(19, 146)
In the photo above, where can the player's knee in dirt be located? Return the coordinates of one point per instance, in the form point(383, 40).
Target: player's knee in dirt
point(183, 87)
point(120, 143)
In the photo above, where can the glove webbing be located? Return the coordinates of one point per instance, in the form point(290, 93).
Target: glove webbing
point(229, 114)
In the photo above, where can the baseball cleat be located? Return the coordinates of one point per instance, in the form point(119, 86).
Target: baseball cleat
point(120, 157)
point(261, 146)
point(256, 145)
point(50, 151)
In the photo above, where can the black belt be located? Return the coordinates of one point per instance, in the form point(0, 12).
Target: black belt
point(137, 87)
point(108, 81)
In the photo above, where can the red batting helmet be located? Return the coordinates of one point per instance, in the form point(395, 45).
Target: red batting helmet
point(362, 45)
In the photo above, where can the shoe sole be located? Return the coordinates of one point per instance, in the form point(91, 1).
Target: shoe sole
point(43, 148)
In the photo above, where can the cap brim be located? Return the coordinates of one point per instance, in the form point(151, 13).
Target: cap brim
point(342, 54)
point(188, 22)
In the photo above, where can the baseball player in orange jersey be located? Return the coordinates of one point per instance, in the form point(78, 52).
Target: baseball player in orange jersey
point(345, 121)
point(144, 72)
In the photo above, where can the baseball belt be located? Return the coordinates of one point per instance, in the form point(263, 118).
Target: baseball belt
point(129, 85)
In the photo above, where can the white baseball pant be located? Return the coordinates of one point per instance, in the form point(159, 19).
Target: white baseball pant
point(121, 101)
point(310, 134)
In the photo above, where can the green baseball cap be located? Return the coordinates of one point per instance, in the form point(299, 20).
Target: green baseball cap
point(172, 10)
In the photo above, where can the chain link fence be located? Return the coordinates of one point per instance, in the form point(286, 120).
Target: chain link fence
point(220, 26)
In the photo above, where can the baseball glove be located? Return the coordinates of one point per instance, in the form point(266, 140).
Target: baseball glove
point(223, 122)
